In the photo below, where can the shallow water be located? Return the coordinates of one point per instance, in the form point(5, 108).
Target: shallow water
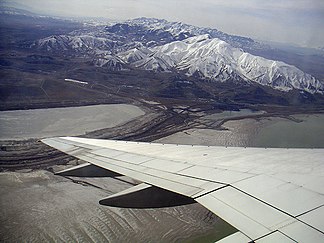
point(282, 133)
point(266, 132)
point(232, 114)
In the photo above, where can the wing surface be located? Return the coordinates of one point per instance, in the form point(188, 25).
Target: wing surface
point(269, 195)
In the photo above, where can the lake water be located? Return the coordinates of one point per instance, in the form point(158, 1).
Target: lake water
point(284, 133)
point(232, 114)
point(249, 132)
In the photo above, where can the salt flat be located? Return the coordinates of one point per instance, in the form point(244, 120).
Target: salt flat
point(69, 121)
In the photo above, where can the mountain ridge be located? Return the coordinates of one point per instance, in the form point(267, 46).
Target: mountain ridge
point(216, 60)
point(159, 45)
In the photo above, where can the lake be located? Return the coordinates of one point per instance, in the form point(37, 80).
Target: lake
point(261, 132)
point(284, 133)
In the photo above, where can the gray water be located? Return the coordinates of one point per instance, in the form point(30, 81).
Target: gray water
point(284, 133)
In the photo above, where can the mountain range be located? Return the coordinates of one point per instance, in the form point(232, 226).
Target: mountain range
point(162, 46)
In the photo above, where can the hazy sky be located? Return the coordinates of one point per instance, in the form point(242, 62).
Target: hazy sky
point(291, 21)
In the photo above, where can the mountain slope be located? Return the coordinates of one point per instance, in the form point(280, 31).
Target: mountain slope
point(214, 59)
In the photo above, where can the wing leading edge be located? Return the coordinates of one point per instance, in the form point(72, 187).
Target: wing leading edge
point(267, 194)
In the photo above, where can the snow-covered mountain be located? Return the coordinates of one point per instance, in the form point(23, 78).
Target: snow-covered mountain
point(110, 62)
point(159, 45)
point(81, 44)
point(214, 59)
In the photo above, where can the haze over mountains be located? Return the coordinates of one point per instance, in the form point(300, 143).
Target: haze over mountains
point(162, 46)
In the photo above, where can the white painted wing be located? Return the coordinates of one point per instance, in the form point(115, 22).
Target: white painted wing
point(269, 195)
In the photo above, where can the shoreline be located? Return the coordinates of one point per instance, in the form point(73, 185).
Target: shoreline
point(153, 126)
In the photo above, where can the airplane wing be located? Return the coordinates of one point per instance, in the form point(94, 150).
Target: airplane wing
point(269, 195)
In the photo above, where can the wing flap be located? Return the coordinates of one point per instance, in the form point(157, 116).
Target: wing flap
point(235, 238)
point(286, 196)
point(275, 237)
point(249, 215)
point(301, 232)
point(314, 218)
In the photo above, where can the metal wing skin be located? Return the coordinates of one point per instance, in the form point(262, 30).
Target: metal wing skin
point(269, 195)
